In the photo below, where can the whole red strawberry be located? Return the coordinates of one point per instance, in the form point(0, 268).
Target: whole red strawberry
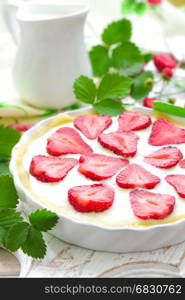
point(167, 73)
point(163, 61)
point(154, 2)
point(148, 102)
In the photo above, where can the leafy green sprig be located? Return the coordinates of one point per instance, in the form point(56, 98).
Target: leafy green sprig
point(117, 52)
point(139, 7)
point(117, 63)
point(106, 97)
point(15, 232)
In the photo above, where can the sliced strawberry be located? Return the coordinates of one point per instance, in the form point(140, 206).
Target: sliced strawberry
point(21, 127)
point(147, 205)
point(93, 125)
point(51, 169)
point(182, 164)
point(178, 182)
point(91, 198)
point(99, 166)
point(121, 143)
point(129, 121)
point(165, 157)
point(66, 140)
point(148, 102)
point(136, 176)
point(165, 133)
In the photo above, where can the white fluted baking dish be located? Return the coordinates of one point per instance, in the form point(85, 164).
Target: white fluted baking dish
point(86, 234)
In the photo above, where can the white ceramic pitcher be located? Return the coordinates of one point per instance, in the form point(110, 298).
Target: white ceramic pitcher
point(51, 51)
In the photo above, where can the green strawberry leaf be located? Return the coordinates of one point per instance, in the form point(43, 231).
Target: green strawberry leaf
point(109, 107)
point(128, 59)
point(128, 6)
point(43, 220)
point(9, 217)
point(148, 57)
point(142, 85)
point(8, 194)
point(2, 235)
point(9, 138)
point(169, 109)
point(4, 168)
point(75, 106)
point(16, 236)
point(85, 89)
point(117, 32)
point(141, 8)
point(100, 61)
point(113, 86)
point(34, 245)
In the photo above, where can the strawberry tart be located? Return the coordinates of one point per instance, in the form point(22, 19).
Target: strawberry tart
point(120, 172)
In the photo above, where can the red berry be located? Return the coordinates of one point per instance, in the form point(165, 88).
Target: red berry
point(67, 140)
point(21, 127)
point(136, 176)
point(121, 143)
point(147, 205)
point(166, 133)
point(92, 125)
point(130, 121)
point(165, 157)
point(91, 198)
point(51, 169)
point(154, 2)
point(178, 182)
point(167, 73)
point(99, 167)
point(148, 102)
point(162, 61)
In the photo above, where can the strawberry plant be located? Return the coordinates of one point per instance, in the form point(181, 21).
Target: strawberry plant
point(17, 232)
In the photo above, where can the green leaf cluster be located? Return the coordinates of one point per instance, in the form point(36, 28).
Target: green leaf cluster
point(106, 97)
point(118, 64)
point(15, 232)
point(117, 52)
point(133, 6)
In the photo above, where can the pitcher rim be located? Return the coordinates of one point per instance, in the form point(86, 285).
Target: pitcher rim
point(83, 9)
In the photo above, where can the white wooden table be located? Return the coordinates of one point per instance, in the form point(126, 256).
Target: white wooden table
point(64, 260)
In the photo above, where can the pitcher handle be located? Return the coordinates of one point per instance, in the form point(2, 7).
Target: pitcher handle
point(10, 18)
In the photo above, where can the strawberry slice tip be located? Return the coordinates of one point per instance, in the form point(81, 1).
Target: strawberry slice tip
point(135, 176)
point(165, 133)
point(130, 121)
point(99, 166)
point(147, 205)
point(51, 169)
point(121, 143)
point(178, 182)
point(67, 140)
point(165, 157)
point(92, 125)
point(91, 198)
